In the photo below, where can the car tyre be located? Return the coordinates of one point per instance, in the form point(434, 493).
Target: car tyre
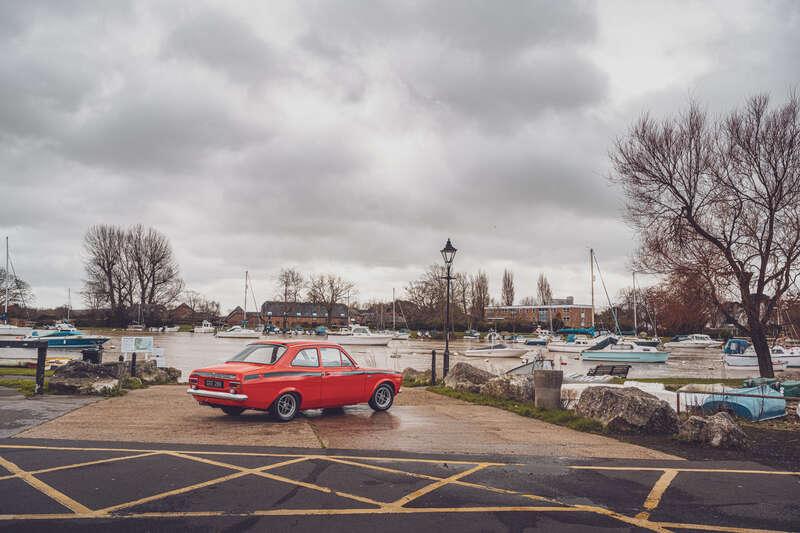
point(383, 397)
point(232, 410)
point(285, 407)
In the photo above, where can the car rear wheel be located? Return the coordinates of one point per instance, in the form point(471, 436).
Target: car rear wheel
point(285, 407)
point(232, 411)
point(382, 398)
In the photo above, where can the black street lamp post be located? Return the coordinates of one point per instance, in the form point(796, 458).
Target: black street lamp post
point(448, 254)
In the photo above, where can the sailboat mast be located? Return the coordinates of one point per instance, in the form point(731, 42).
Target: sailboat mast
point(591, 280)
point(394, 314)
point(635, 327)
point(69, 301)
point(6, 280)
point(244, 309)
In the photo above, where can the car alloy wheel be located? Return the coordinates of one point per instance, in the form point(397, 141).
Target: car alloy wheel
point(382, 398)
point(286, 407)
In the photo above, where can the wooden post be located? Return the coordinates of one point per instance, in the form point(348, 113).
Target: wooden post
point(433, 367)
point(133, 365)
point(41, 361)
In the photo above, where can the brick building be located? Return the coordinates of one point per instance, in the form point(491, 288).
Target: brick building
point(572, 315)
point(303, 314)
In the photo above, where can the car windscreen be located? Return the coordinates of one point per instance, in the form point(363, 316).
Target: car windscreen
point(265, 354)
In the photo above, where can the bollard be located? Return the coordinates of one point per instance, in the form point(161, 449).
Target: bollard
point(433, 367)
point(133, 365)
point(41, 360)
point(547, 388)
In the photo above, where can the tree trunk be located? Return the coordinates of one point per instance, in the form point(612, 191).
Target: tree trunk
point(761, 346)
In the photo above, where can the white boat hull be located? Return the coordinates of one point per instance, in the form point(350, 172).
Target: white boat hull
point(14, 331)
point(567, 347)
point(202, 329)
point(692, 345)
point(746, 361)
point(360, 340)
point(500, 352)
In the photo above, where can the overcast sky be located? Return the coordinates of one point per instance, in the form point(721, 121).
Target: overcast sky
point(356, 136)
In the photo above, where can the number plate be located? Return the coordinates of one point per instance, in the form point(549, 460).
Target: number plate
point(215, 383)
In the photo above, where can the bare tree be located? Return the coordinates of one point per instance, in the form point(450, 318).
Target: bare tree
point(129, 267)
point(720, 200)
point(289, 284)
point(19, 291)
point(328, 290)
point(462, 296)
point(427, 294)
point(507, 296)
point(480, 296)
point(200, 304)
point(528, 301)
point(543, 291)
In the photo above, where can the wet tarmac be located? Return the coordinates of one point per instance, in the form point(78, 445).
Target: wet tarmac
point(85, 485)
point(188, 351)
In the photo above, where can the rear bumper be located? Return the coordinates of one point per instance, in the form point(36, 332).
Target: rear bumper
point(217, 395)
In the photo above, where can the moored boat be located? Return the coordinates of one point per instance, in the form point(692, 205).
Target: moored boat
point(695, 341)
point(205, 327)
point(68, 339)
point(626, 352)
point(496, 350)
point(359, 335)
point(238, 332)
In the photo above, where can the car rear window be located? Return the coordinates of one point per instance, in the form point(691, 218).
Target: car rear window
point(265, 354)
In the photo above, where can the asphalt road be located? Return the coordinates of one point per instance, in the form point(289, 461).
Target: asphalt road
point(85, 485)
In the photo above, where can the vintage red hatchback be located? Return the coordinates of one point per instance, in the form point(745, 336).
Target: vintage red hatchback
point(286, 377)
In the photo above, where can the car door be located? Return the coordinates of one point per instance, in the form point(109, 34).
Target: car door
point(306, 376)
point(342, 382)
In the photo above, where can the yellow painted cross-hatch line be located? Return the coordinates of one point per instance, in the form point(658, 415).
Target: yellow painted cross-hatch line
point(658, 490)
point(400, 502)
point(44, 488)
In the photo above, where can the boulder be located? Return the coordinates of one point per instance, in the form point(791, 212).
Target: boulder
point(150, 374)
point(719, 431)
point(412, 377)
point(627, 410)
point(467, 378)
point(517, 388)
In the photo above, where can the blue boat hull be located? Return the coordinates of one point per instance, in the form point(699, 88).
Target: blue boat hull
point(621, 357)
point(77, 344)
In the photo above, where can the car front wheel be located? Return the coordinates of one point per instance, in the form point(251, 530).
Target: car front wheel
point(285, 407)
point(382, 398)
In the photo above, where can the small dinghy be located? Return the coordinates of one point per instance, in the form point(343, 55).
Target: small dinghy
point(496, 350)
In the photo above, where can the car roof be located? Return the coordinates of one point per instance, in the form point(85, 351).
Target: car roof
point(288, 343)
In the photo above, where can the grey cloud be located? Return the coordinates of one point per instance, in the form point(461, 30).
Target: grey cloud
point(226, 43)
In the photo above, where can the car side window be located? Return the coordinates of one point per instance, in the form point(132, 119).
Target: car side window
point(330, 357)
point(307, 357)
point(346, 360)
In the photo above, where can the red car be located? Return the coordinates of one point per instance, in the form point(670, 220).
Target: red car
point(289, 376)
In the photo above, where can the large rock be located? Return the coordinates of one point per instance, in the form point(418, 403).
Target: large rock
point(719, 431)
point(151, 374)
point(412, 377)
point(627, 410)
point(517, 388)
point(467, 378)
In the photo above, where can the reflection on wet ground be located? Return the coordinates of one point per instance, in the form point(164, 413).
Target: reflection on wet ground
point(188, 351)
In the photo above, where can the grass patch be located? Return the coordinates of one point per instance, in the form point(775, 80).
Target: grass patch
point(560, 417)
point(21, 371)
point(23, 386)
point(673, 384)
point(415, 382)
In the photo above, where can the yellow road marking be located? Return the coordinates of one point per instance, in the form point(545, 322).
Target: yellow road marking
point(640, 522)
point(44, 488)
point(295, 512)
point(433, 486)
point(78, 465)
point(654, 498)
point(725, 529)
point(243, 454)
point(182, 490)
point(697, 470)
point(261, 472)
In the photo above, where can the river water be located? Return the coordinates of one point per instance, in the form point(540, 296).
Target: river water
point(188, 351)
